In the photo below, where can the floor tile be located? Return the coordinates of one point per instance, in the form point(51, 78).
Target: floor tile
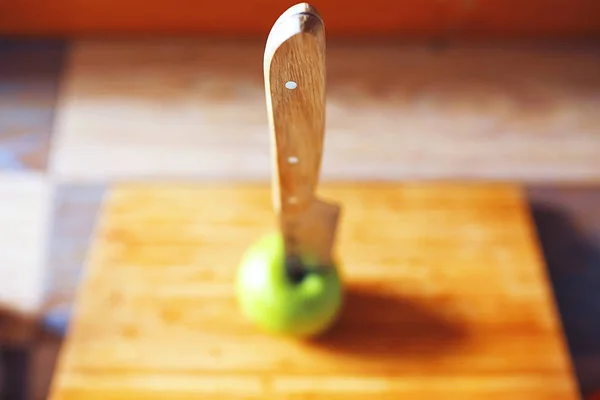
point(29, 81)
point(196, 109)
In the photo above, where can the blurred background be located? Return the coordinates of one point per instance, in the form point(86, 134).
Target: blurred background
point(100, 91)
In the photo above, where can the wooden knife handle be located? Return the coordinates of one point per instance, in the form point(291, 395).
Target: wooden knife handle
point(294, 68)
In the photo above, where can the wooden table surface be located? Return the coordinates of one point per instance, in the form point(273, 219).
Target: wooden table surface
point(195, 109)
point(447, 297)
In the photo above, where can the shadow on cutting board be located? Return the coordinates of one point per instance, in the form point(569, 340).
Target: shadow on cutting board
point(386, 327)
point(572, 255)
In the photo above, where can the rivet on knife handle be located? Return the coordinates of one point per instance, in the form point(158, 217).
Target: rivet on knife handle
point(294, 67)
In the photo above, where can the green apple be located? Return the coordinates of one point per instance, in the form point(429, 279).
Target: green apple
point(301, 300)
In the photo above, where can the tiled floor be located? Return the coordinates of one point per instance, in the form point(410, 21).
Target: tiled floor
point(195, 110)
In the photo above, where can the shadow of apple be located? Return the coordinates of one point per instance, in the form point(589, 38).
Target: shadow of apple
point(383, 326)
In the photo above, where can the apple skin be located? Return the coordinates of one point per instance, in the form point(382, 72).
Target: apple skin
point(272, 300)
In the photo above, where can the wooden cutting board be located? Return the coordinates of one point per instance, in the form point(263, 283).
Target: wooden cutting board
point(447, 298)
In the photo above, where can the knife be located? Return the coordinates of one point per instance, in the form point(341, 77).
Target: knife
point(294, 69)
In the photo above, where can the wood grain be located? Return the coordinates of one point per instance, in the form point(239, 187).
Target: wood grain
point(447, 297)
point(420, 18)
point(295, 55)
point(196, 110)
